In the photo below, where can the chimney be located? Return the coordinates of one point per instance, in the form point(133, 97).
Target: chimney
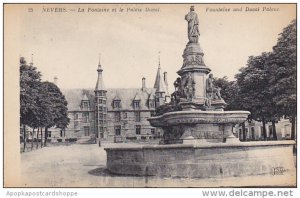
point(143, 84)
point(166, 78)
point(55, 80)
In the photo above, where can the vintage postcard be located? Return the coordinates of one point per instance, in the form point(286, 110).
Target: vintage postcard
point(150, 95)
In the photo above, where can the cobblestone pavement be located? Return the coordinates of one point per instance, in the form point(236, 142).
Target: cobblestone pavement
point(84, 166)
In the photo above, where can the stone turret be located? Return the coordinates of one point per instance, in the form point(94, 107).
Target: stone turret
point(100, 104)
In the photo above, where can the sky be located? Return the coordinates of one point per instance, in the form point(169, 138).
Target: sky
point(67, 44)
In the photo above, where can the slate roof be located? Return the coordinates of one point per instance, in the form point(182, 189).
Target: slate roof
point(159, 81)
point(74, 97)
point(100, 84)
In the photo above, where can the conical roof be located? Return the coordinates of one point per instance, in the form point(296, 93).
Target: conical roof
point(159, 84)
point(100, 83)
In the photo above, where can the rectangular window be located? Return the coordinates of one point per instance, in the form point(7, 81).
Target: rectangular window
point(76, 116)
point(99, 101)
point(125, 115)
point(85, 117)
point(86, 105)
point(86, 130)
point(117, 116)
point(76, 124)
point(117, 104)
point(152, 131)
point(136, 104)
point(117, 130)
point(49, 133)
point(151, 104)
point(137, 116)
point(138, 129)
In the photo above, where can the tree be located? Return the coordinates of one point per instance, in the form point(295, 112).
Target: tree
point(29, 81)
point(283, 74)
point(254, 89)
point(55, 105)
point(42, 105)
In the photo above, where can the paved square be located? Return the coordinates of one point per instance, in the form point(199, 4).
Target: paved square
point(83, 165)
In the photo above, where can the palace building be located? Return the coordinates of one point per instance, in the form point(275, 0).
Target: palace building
point(114, 114)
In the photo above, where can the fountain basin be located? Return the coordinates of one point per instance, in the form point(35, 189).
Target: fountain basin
point(211, 126)
point(198, 117)
point(204, 160)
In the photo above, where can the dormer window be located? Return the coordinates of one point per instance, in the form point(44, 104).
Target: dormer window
point(85, 104)
point(136, 104)
point(117, 104)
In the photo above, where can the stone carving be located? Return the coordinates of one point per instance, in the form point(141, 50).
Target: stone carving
point(189, 87)
point(212, 92)
point(175, 96)
point(177, 84)
point(192, 60)
point(193, 23)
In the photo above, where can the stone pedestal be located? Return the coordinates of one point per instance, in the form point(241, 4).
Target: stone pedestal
point(193, 63)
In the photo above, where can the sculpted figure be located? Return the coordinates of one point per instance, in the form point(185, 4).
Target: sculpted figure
point(193, 23)
point(189, 87)
point(212, 92)
point(177, 84)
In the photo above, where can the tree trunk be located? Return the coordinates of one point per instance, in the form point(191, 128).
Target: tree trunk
point(244, 131)
point(274, 130)
point(264, 130)
point(37, 138)
point(293, 135)
point(32, 138)
point(24, 137)
point(41, 137)
point(46, 136)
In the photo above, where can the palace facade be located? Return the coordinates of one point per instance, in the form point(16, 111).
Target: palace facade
point(114, 114)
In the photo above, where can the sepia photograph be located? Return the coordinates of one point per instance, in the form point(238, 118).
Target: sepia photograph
point(150, 95)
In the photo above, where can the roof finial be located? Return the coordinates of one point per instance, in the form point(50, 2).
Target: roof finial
point(99, 58)
point(158, 59)
point(31, 63)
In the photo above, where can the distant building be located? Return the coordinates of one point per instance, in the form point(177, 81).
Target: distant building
point(254, 130)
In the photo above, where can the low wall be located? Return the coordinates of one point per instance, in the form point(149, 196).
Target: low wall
point(203, 161)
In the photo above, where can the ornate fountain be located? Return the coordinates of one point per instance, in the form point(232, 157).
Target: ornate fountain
point(198, 140)
point(201, 117)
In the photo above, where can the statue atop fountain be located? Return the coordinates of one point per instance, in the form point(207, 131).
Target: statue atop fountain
point(193, 23)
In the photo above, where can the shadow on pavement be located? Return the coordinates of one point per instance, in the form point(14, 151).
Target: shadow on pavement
point(102, 171)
